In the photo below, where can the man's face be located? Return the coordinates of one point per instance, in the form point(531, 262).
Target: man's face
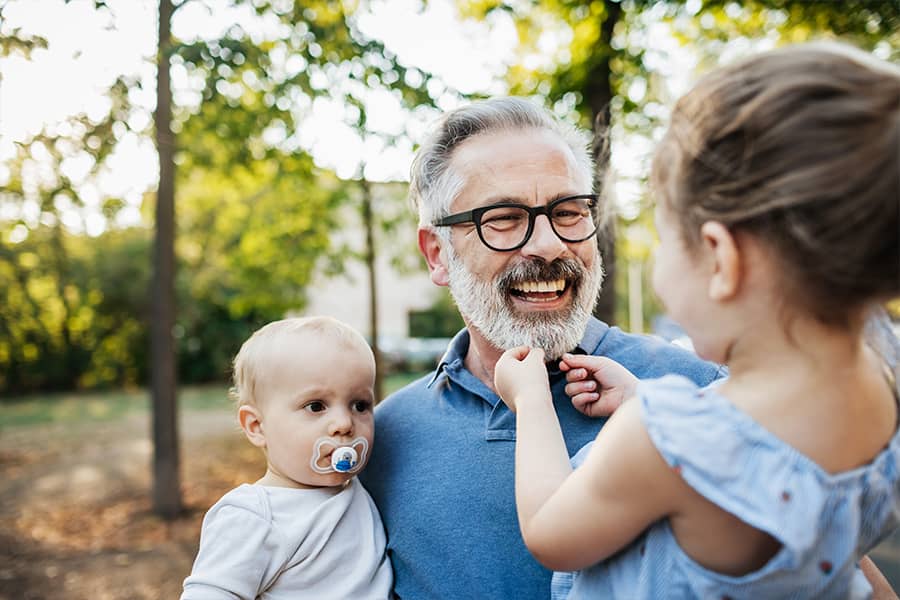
point(541, 294)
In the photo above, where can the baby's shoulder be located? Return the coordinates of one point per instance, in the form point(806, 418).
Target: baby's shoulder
point(245, 501)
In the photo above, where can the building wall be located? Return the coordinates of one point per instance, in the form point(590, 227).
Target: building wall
point(346, 296)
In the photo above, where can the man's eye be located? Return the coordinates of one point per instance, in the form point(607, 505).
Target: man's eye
point(362, 406)
point(315, 406)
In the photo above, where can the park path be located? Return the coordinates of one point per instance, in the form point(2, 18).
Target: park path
point(75, 518)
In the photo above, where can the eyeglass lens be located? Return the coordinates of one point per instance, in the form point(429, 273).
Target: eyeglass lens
point(506, 227)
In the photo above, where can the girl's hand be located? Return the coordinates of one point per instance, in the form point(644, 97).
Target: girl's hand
point(521, 373)
point(596, 384)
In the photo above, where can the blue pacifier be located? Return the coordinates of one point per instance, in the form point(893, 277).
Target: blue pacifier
point(343, 459)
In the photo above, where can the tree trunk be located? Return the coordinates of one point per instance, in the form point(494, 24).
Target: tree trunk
point(598, 94)
point(166, 484)
point(368, 223)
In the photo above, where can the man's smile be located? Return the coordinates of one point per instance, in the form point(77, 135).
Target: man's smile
point(539, 291)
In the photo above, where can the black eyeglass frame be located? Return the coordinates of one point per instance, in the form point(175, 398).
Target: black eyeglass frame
point(474, 216)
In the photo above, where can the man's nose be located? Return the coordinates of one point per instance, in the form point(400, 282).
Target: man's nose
point(341, 422)
point(544, 243)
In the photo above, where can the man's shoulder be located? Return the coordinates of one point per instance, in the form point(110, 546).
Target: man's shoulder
point(650, 356)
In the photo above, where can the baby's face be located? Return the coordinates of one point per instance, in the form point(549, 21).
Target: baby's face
point(318, 397)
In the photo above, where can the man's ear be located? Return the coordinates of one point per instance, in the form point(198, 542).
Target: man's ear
point(720, 245)
point(430, 246)
point(251, 422)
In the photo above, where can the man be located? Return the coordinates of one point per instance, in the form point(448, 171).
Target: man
point(507, 222)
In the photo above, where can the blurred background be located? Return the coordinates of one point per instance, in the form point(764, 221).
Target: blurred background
point(175, 173)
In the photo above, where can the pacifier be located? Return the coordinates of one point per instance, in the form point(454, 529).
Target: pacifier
point(344, 459)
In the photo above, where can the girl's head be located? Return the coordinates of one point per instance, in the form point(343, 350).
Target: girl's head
point(799, 148)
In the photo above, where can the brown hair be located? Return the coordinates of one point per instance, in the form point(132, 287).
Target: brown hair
point(800, 147)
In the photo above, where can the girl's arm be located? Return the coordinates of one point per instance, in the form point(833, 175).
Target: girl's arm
point(573, 519)
point(542, 464)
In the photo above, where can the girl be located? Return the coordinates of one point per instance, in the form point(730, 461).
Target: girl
point(778, 186)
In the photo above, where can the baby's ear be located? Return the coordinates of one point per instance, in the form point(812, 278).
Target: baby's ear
point(723, 251)
point(251, 423)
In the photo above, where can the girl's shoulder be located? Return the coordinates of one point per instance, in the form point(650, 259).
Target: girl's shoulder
point(736, 463)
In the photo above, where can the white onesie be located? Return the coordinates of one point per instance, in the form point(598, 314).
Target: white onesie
point(274, 542)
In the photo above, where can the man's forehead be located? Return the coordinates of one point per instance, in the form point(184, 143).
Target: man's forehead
point(529, 167)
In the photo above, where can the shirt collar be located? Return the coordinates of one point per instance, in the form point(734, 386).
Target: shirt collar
point(456, 352)
point(459, 346)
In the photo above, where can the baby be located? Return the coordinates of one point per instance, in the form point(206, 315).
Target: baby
point(307, 528)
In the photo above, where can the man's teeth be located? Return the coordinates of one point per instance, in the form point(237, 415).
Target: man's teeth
point(530, 287)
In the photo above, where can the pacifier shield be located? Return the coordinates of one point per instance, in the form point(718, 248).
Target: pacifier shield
point(343, 459)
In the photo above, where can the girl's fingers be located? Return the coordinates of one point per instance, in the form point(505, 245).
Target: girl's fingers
point(593, 405)
point(576, 374)
point(583, 402)
point(536, 355)
point(519, 352)
point(581, 387)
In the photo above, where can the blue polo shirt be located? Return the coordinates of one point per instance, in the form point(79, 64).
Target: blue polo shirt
point(442, 470)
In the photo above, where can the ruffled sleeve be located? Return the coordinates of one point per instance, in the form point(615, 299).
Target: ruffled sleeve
point(733, 461)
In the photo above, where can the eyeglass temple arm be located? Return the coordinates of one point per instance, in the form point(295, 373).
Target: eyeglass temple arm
point(463, 217)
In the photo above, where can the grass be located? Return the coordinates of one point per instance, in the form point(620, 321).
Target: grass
point(22, 411)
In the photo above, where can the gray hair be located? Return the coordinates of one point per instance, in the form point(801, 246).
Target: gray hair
point(434, 185)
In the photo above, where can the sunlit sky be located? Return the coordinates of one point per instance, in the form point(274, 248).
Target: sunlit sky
point(86, 53)
point(83, 60)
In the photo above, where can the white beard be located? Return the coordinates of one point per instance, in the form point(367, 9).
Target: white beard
point(487, 306)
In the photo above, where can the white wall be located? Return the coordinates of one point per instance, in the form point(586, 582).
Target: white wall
point(346, 296)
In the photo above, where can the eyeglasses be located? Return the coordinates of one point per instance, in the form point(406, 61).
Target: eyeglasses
point(508, 226)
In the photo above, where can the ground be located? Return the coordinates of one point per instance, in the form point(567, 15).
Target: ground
point(75, 514)
point(75, 518)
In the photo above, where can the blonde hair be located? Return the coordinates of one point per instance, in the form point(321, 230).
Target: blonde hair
point(252, 359)
point(799, 147)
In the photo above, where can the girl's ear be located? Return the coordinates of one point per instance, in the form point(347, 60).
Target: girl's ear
point(430, 246)
point(720, 244)
point(251, 422)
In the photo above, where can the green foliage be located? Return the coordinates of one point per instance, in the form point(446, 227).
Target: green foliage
point(72, 324)
point(255, 217)
point(441, 319)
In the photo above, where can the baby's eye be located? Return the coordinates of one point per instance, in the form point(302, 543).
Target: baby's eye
point(315, 406)
point(362, 406)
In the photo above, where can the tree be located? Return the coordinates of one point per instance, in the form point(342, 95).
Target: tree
point(166, 460)
point(238, 133)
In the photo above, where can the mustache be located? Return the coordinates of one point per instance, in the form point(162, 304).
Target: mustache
point(540, 270)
